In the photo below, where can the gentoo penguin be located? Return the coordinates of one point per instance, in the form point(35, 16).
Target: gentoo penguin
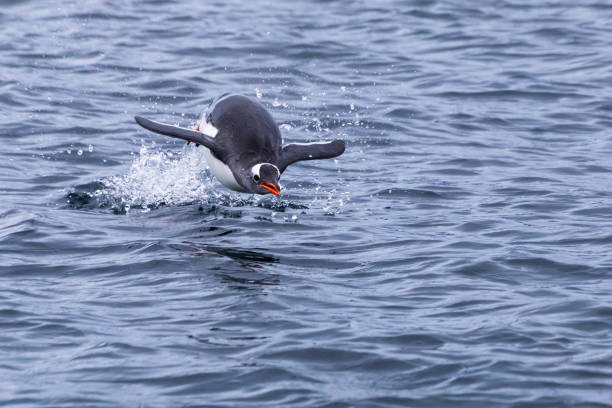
point(243, 144)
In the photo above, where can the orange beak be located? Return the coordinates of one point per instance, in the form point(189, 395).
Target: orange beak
point(271, 188)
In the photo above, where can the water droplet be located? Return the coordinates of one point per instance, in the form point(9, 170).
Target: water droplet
point(258, 93)
point(90, 148)
point(80, 152)
point(276, 103)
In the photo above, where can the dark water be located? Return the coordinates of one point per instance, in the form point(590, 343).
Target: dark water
point(457, 255)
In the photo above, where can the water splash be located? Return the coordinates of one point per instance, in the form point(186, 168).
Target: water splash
point(158, 178)
point(163, 178)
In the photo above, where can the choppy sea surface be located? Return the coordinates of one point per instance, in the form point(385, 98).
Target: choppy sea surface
point(459, 254)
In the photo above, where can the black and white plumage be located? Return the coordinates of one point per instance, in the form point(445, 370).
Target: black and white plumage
point(243, 144)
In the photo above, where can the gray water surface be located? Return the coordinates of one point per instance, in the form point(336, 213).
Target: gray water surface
point(457, 255)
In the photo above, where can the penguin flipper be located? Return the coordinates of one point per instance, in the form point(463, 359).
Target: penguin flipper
point(295, 152)
point(182, 133)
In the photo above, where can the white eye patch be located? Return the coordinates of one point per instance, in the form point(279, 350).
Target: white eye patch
point(255, 169)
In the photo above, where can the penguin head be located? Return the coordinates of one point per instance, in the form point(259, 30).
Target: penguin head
point(264, 179)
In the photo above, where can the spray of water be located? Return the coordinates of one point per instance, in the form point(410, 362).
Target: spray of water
point(161, 178)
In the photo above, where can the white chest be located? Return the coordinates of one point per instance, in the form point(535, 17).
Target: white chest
point(222, 172)
point(219, 169)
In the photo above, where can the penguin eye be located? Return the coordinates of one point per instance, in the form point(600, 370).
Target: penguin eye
point(256, 178)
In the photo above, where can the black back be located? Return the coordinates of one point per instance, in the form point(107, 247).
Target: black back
point(246, 132)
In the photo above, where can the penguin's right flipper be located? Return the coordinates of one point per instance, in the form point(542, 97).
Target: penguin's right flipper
point(295, 152)
point(174, 131)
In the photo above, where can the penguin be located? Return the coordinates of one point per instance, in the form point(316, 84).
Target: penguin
point(243, 144)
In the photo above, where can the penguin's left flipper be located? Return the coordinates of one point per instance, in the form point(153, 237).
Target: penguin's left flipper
point(295, 152)
point(174, 131)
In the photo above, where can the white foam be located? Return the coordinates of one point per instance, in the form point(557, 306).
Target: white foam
point(157, 177)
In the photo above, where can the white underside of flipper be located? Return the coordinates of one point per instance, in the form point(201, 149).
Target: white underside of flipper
point(219, 169)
